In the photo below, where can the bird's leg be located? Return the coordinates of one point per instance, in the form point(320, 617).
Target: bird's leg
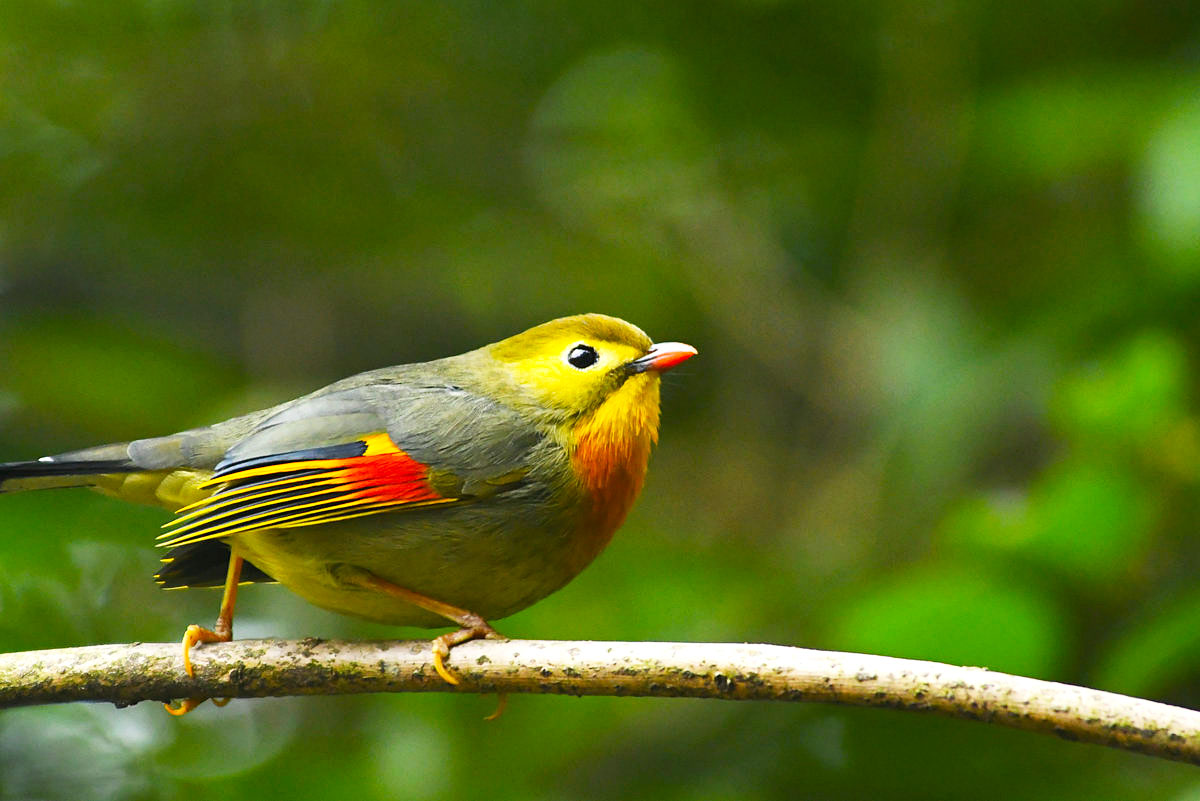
point(221, 632)
point(473, 626)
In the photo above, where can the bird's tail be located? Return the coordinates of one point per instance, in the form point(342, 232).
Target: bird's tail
point(86, 468)
point(110, 469)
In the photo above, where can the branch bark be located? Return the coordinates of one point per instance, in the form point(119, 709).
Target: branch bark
point(127, 674)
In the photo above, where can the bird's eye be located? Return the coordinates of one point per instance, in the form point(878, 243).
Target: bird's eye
point(581, 356)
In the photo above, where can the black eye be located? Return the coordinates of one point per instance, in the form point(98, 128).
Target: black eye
point(581, 357)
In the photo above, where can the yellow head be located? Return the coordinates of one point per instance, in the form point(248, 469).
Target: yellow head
point(573, 364)
point(596, 378)
point(577, 367)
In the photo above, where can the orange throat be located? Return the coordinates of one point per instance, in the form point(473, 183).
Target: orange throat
point(612, 450)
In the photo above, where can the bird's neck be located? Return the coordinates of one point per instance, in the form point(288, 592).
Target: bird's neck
point(611, 450)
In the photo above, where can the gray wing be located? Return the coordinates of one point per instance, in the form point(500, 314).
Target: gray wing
point(323, 458)
point(445, 427)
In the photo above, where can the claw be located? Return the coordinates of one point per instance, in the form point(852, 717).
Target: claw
point(474, 627)
point(441, 650)
point(194, 635)
point(185, 706)
point(501, 705)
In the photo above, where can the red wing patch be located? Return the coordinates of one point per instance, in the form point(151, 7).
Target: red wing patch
point(304, 489)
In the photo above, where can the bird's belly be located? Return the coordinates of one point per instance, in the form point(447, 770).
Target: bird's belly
point(465, 559)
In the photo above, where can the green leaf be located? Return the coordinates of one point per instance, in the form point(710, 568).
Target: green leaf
point(1089, 521)
point(1169, 192)
point(1130, 397)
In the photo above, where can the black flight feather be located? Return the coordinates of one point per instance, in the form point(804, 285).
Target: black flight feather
point(202, 564)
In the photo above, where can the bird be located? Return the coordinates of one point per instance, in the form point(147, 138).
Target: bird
point(449, 492)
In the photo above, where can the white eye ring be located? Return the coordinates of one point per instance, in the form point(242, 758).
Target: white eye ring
point(581, 356)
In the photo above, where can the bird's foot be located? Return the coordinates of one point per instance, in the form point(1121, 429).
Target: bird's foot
point(196, 635)
point(473, 627)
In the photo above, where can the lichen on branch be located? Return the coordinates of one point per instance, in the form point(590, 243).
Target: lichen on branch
point(128, 674)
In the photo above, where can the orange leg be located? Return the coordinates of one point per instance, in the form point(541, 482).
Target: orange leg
point(221, 632)
point(473, 626)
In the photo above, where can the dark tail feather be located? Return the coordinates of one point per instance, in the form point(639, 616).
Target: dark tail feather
point(202, 564)
point(52, 472)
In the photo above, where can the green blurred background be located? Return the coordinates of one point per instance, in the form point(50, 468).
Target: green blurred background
point(941, 261)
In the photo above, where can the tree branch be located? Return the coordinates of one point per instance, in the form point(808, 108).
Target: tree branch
point(127, 674)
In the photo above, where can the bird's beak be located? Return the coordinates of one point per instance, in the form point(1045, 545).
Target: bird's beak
point(662, 357)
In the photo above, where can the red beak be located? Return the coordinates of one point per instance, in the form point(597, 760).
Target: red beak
point(662, 356)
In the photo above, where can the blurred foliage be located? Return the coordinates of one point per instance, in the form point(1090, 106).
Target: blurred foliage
point(941, 262)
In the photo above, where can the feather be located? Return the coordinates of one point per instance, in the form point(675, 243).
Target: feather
point(304, 488)
point(203, 564)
